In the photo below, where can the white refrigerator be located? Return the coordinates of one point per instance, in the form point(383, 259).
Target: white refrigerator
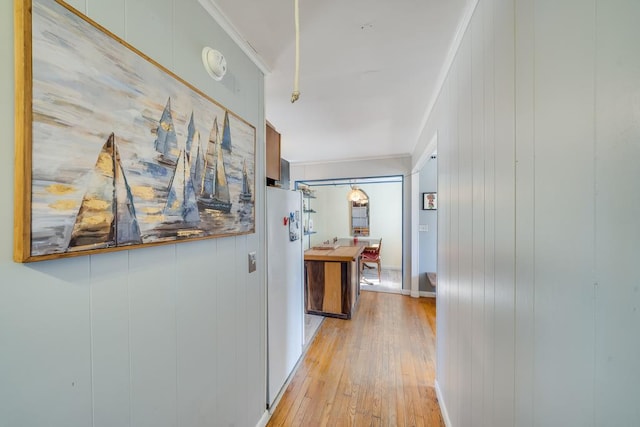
point(285, 305)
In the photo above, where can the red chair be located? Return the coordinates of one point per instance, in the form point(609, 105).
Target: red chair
point(371, 255)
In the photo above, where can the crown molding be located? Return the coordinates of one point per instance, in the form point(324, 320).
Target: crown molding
point(446, 65)
point(216, 13)
point(402, 156)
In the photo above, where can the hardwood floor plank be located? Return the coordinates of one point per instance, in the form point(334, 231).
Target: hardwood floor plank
point(376, 369)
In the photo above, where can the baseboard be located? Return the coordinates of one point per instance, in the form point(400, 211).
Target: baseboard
point(423, 294)
point(426, 294)
point(264, 419)
point(443, 406)
point(382, 289)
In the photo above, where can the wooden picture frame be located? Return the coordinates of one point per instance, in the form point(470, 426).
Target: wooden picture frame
point(429, 201)
point(114, 151)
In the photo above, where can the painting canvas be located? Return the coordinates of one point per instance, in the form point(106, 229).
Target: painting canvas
point(116, 152)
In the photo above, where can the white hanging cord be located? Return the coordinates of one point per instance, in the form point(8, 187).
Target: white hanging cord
point(296, 91)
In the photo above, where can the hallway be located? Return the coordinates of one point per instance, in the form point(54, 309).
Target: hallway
point(376, 369)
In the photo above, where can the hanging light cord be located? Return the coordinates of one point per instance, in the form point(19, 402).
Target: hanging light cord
point(296, 91)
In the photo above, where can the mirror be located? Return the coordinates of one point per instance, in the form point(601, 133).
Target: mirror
point(359, 212)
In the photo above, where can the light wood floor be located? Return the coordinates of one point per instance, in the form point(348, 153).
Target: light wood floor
point(376, 369)
point(391, 280)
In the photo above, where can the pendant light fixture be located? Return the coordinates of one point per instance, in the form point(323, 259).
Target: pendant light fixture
point(356, 194)
point(296, 78)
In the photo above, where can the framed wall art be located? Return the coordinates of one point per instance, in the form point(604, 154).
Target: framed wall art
point(429, 201)
point(113, 151)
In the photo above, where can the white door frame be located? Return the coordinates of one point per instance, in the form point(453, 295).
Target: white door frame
point(415, 214)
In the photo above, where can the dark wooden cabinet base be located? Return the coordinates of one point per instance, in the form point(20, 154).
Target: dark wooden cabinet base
point(332, 287)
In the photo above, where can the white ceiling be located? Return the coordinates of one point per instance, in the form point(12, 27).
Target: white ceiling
point(368, 71)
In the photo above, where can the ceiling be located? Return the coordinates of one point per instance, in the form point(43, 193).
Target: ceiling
point(369, 69)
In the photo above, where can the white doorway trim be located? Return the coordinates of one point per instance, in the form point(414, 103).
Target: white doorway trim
point(415, 214)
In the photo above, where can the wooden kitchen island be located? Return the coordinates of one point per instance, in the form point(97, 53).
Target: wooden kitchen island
point(332, 280)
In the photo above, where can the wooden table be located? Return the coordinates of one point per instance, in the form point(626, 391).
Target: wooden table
point(366, 243)
point(332, 280)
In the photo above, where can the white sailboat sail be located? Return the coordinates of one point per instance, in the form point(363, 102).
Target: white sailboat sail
point(222, 188)
point(181, 203)
point(214, 193)
point(107, 216)
point(166, 142)
point(245, 195)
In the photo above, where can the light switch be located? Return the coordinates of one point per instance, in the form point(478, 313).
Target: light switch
point(252, 262)
point(423, 227)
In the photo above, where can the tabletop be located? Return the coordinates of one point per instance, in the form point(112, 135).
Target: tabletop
point(366, 242)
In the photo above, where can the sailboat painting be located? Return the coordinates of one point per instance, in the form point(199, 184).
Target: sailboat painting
point(121, 152)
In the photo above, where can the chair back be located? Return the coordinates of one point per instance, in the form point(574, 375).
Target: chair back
point(373, 252)
point(377, 250)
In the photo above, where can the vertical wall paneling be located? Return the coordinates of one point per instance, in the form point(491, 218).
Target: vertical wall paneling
point(444, 194)
point(226, 334)
point(7, 92)
point(150, 28)
point(162, 336)
point(525, 221)
point(452, 278)
point(504, 211)
point(564, 238)
point(465, 227)
point(242, 326)
point(554, 130)
point(196, 321)
point(8, 307)
point(488, 347)
point(110, 339)
point(254, 404)
point(617, 204)
point(152, 277)
point(477, 183)
point(40, 364)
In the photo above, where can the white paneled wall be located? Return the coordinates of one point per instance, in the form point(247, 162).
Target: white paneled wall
point(617, 150)
point(166, 336)
point(538, 125)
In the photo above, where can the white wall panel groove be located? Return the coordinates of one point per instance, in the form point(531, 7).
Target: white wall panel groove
point(165, 336)
point(545, 333)
point(525, 208)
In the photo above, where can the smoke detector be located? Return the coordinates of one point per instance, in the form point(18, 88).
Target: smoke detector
point(214, 62)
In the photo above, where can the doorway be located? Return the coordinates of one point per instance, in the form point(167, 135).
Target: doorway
point(328, 214)
point(424, 222)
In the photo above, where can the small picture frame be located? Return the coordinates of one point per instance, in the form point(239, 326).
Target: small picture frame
point(429, 201)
